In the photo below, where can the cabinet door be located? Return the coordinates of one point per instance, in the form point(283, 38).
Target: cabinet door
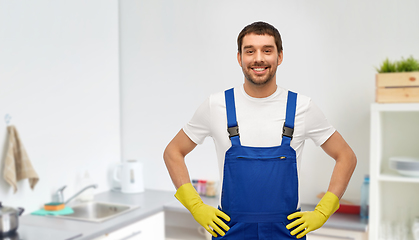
point(150, 228)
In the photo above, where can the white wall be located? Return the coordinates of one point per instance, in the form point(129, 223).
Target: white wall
point(59, 80)
point(175, 53)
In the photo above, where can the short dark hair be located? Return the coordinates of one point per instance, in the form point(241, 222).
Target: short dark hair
point(260, 28)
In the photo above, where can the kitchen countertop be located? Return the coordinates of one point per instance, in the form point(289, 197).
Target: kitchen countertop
point(33, 227)
point(150, 202)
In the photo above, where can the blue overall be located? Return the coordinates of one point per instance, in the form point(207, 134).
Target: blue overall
point(260, 185)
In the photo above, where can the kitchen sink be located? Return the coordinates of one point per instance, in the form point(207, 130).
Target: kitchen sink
point(97, 211)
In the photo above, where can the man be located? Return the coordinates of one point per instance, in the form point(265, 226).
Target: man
point(259, 131)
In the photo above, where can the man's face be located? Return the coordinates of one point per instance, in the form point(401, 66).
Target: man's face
point(259, 58)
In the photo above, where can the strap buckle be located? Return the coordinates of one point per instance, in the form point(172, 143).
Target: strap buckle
point(233, 131)
point(287, 131)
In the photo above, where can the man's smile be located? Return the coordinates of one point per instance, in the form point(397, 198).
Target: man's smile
point(259, 70)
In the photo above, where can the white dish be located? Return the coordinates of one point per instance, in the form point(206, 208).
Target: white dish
point(407, 166)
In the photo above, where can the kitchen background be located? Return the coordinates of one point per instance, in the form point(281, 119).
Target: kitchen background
point(91, 83)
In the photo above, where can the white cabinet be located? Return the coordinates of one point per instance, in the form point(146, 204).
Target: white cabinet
point(336, 234)
point(393, 197)
point(180, 225)
point(151, 228)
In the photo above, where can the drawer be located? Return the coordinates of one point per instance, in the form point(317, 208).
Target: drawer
point(149, 228)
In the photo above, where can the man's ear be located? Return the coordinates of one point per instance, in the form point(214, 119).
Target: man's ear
point(280, 57)
point(239, 59)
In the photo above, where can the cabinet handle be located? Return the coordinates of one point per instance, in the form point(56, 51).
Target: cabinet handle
point(132, 235)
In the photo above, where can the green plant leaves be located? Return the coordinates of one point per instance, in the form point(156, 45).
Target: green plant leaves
point(387, 67)
point(404, 65)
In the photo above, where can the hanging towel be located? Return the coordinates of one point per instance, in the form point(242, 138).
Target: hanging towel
point(17, 165)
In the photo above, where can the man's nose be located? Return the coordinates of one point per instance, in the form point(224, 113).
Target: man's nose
point(259, 56)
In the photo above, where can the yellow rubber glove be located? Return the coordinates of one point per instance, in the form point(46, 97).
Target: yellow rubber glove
point(204, 214)
point(310, 221)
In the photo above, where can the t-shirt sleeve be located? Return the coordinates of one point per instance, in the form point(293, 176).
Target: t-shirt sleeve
point(199, 127)
point(317, 127)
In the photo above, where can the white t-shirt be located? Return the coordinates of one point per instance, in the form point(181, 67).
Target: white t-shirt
point(260, 122)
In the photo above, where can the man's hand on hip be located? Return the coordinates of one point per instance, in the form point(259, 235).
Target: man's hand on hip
point(207, 216)
point(310, 221)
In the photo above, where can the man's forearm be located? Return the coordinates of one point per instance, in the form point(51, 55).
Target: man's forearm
point(177, 168)
point(174, 158)
point(337, 148)
point(342, 172)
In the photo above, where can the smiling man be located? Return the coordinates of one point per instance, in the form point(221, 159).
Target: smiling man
point(259, 59)
point(259, 130)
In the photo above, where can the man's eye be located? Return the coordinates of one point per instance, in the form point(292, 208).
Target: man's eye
point(249, 51)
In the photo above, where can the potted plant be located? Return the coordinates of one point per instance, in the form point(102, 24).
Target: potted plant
point(398, 81)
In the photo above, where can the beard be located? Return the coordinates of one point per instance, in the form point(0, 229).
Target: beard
point(259, 80)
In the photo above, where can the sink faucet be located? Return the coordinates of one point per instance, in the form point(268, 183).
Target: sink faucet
point(59, 196)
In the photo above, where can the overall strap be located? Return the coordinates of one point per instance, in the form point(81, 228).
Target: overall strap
point(232, 127)
point(288, 129)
